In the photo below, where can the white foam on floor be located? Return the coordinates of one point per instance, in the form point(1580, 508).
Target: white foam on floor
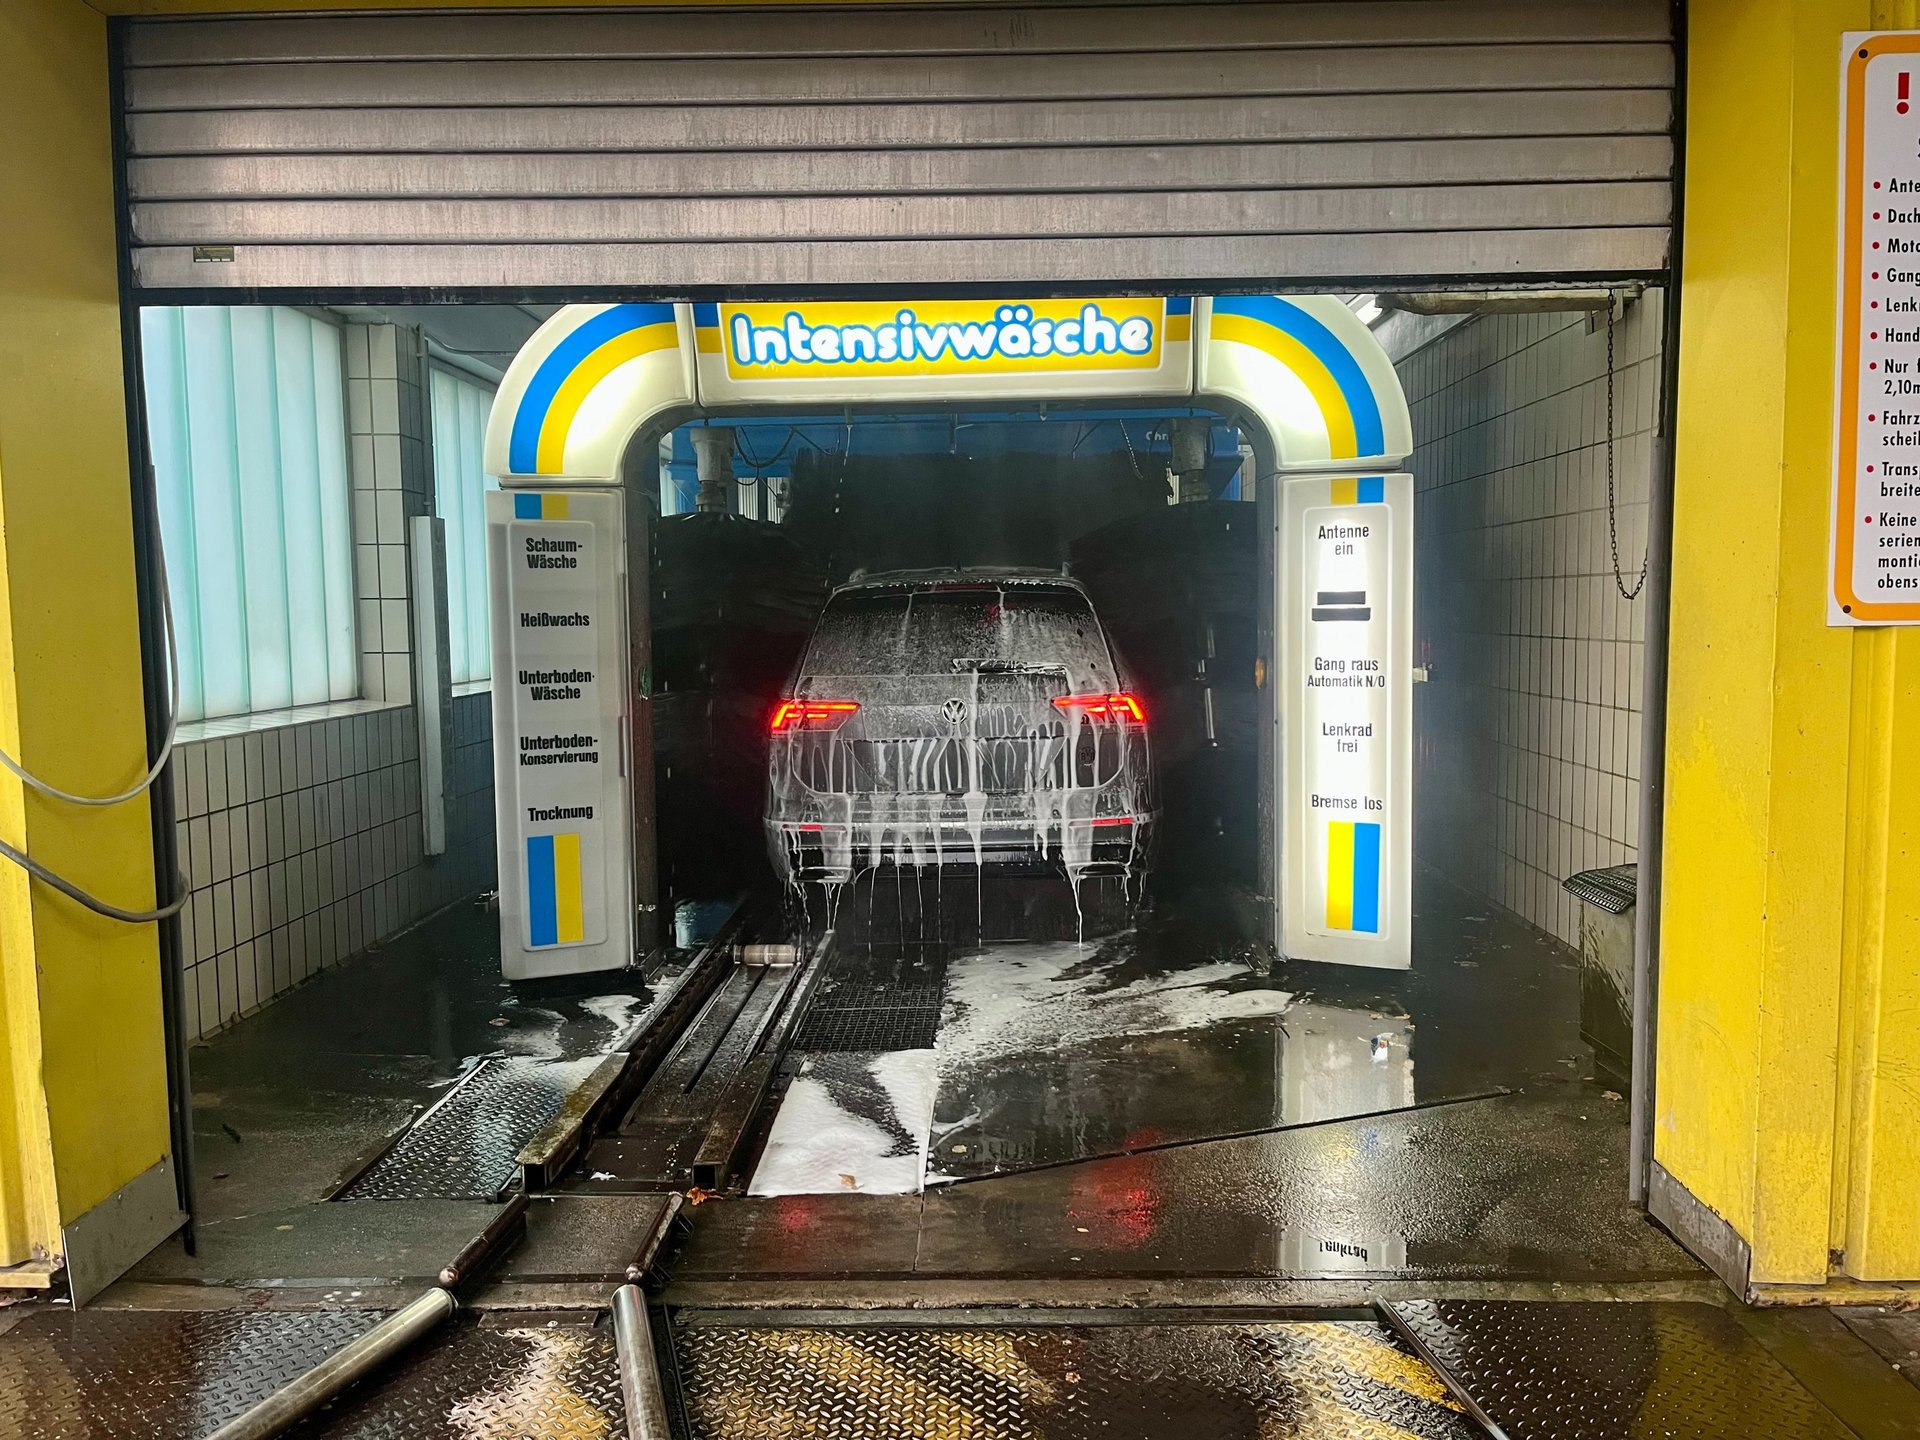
point(618, 1012)
point(1012, 999)
point(818, 1147)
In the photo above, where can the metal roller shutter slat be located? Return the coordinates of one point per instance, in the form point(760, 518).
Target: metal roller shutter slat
point(745, 83)
point(865, 127)
point(901, 217)
point(1285, 263)
point(1111, 29)
point(1069, 144)
point(872, 172)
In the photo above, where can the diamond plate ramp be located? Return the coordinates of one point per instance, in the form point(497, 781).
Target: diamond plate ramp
point(105, 1374)
point(1317, 1381)
point(517, 1380)
point(1612, 1371)
point(466, 1146)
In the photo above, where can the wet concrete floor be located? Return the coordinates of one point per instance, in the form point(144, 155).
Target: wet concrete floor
point(1178, 1029)
point(1165, 1102)
point(1517, 1187)
point(288, 1101)
point(1314, 1135)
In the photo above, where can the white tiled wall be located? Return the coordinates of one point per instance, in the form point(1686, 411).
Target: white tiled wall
point(1528, 739)
point(300, 833)
point(301, 846)
point(392, 477)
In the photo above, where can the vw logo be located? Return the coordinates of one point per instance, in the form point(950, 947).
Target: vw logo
point(955, 710)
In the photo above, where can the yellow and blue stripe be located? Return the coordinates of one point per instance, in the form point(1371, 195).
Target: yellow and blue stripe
point(556, 910)
point(1353, 876)
point(564, 379)
point(1302, 343)
point(541, 507)
point(1360, 490)
point(1179, 319)
point(706, 327)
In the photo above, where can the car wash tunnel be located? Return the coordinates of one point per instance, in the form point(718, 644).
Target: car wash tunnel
point(912, 721)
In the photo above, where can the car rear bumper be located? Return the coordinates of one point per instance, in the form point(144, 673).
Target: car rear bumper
point(836, 851)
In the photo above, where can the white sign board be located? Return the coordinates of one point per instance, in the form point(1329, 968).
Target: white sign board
point(557, 568)
point(1345, 594)
point(1875, 544)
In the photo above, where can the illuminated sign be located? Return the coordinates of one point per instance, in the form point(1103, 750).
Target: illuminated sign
point(1347, 576)
point(862, 350)
point(942, 337)
point(559, 663)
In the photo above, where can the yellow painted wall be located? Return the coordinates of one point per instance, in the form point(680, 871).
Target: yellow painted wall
point(1789, 1067)
point(85, 1100)
point(1789, 1002)
point(219, 7)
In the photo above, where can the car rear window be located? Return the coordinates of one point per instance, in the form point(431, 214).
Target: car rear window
point(900, 632)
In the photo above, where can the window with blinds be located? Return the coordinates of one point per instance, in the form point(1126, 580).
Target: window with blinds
point(459, 482)
point(247, 423)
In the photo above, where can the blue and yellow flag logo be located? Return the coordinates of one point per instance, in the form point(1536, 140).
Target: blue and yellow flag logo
point(1353, 876)
point(556, 901)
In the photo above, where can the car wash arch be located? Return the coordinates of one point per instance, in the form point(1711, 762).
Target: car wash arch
point(1335, 666)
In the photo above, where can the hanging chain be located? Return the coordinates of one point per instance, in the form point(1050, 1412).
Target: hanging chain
point(1613, 523)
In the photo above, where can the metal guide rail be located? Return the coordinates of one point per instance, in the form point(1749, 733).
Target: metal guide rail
point(693, 1117)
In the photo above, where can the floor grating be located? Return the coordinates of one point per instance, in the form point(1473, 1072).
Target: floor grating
point(107, 1374)
point(1559, 1370)
point(1321, 1380)
point(870, 1000)
point(464, 1148)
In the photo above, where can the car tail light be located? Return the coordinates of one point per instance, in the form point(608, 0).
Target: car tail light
point(1122, 707)
point(791, 715)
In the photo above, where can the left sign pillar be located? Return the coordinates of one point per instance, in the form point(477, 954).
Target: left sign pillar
point(84, 1167)
point(557, 564)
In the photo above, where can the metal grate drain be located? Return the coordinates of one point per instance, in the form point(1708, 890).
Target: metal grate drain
point(464, 1147)
point(1324, 1380)
point(896, 1027)
point(876, 1002)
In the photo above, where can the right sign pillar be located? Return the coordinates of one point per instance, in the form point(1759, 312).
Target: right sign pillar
point(1345, 624)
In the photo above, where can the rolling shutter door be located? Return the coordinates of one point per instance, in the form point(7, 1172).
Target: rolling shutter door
point(1302, 144)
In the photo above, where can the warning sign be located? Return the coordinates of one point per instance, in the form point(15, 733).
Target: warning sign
point(1345, 592)
point(1876, 491)
point(558, 695)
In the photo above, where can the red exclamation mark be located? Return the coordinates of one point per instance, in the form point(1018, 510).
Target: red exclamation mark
point(1906, 84)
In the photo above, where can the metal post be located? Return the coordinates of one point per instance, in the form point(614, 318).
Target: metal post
point(1653, 739)
point(639, 1370)
point(294, 1402)
point(1192, 437)
point(1653, 684)
point(713, 454)
point(153, 661)
point(640, 475)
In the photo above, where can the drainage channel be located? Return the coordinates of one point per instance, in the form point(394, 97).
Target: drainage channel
point(699, 1114)
point(512, 1122)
